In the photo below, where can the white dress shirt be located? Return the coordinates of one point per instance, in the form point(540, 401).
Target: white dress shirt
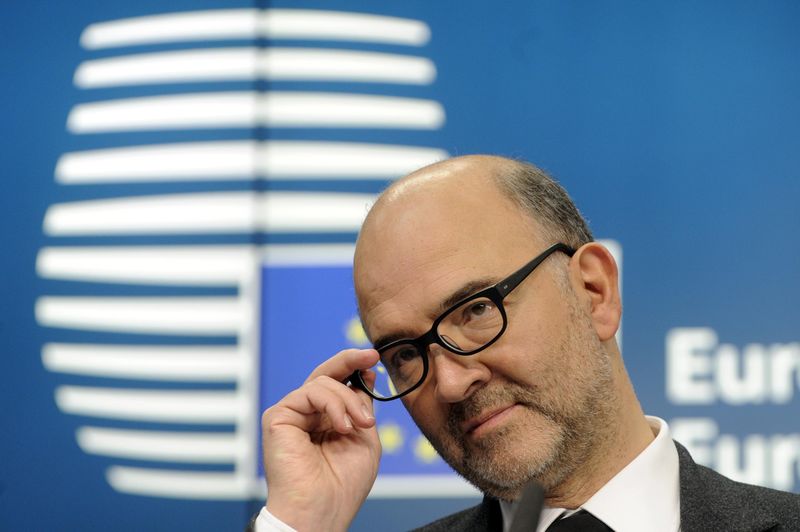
point(644, 495)
point(266, 522)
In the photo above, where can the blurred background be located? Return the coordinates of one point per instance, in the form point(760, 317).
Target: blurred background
point(184, 182)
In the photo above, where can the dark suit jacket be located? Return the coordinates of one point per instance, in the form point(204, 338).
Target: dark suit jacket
point(709, 503)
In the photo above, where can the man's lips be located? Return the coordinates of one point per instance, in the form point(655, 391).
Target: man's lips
point(488, 417)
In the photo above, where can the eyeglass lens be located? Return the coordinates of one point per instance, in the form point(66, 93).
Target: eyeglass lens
point(464, 330)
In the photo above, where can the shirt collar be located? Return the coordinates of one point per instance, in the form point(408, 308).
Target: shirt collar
point(644, 495)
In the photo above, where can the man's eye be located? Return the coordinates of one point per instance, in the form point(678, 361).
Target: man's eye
point(477, 310)
point(403, 357)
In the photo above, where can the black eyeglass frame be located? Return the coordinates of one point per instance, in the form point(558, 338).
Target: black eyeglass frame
point(496, 294)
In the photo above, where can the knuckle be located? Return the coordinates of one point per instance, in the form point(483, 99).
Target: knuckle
point(315, 387)
point(271, 428)
point(270, 420)
point(322, 379)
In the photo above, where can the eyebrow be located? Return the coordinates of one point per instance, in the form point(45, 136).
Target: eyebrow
point(462, 292)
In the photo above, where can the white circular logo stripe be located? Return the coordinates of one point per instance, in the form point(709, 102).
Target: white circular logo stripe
point(200, 363)
point(191, 447)
point(253, 109)
point(276, 64)
point(237, 160)
point(303, 24)
point(152, 405)
point(210, 213)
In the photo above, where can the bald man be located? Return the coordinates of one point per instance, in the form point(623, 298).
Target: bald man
point(493, 314)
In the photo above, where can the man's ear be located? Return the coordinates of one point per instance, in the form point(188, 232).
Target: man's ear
point(594, 276)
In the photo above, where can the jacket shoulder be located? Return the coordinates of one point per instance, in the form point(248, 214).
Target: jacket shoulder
point(710, 499)
point(481, 517)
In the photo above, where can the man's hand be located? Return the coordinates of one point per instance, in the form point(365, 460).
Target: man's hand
point(321, 448)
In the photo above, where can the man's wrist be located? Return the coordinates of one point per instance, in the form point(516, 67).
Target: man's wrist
point(302, 518)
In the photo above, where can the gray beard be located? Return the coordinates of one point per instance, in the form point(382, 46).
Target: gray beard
point(483, 462)
point(483, 465)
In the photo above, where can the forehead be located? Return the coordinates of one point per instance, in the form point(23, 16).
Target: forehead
point(430, 241)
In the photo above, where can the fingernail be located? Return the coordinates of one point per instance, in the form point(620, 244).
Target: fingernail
point(366, 412)
point(347, 422)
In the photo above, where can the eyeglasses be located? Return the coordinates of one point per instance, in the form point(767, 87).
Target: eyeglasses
point(469, 326)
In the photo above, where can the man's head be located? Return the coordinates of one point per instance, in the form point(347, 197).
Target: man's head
point(542, 400)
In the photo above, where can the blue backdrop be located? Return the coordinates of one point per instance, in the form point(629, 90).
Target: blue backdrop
point(153, 306)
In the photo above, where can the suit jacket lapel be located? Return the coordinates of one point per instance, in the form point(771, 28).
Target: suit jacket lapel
point(489, 516)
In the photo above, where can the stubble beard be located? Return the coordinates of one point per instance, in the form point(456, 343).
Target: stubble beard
point(550, 439)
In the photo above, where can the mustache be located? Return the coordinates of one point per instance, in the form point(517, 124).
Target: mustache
point(492, 398)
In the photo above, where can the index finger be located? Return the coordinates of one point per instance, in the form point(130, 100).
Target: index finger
point(341, 365)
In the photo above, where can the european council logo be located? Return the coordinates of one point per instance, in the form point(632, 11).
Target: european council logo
point(199, 263)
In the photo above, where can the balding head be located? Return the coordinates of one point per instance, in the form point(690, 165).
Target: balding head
point(448, 172)
point(459, 203)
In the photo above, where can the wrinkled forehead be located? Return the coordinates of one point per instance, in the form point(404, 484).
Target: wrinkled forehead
point(418, 248)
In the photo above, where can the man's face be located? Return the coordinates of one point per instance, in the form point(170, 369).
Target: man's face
point(527, 406)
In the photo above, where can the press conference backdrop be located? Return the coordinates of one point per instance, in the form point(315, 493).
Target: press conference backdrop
point(184, 182)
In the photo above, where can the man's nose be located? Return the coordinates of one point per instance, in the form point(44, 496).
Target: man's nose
point(456, 377)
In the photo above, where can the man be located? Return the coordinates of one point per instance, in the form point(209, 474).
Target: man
point(494, 314)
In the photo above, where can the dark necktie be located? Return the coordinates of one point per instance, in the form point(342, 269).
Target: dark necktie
point(581, 521)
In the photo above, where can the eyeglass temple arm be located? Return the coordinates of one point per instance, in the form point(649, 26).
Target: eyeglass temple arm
point(354, 380)
point(513, 280)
